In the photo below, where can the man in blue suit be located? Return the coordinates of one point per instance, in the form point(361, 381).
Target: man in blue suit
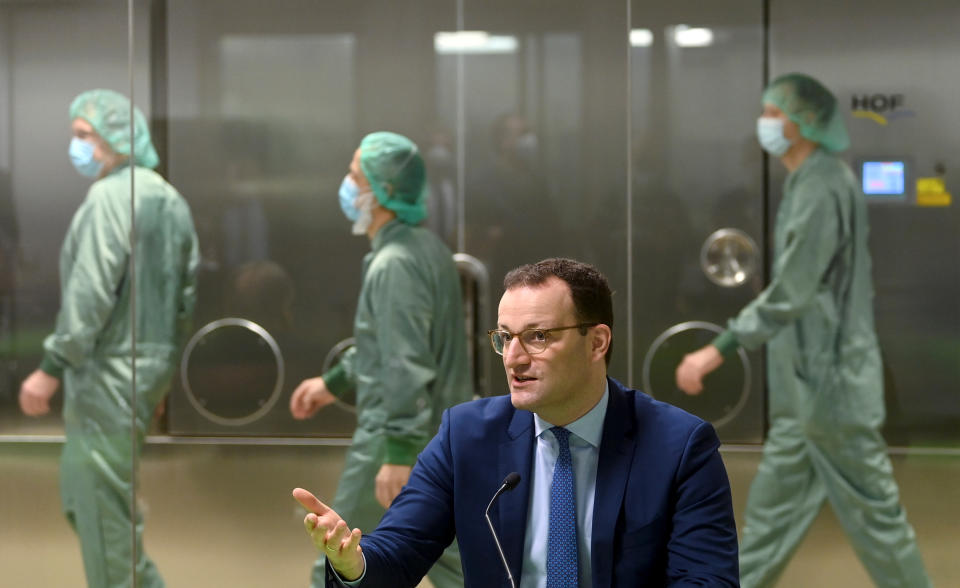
point(616, 489)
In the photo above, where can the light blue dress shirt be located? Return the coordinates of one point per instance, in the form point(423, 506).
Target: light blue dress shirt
point(587, 431)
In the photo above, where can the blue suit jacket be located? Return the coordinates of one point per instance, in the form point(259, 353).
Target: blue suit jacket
point(662, 510)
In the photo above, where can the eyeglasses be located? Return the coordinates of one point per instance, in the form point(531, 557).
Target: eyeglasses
point(532, 341)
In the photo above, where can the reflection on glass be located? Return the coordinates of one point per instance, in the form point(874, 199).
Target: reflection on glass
point(685, 36)
point(474, 42)
point(65, 293)
point(523, 178)
point(262, 117)
point(695, 167)
point(641, 38)
point(442, 206)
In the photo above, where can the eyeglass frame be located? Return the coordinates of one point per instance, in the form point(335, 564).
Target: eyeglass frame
point(518, 334)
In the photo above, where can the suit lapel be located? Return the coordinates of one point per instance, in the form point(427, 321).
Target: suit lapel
point(516, 455)
point(613, 470)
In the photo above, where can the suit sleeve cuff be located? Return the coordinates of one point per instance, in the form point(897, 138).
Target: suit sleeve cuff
point(726, 343)
point(402, 451)
point(337, 380)
point(51, 367)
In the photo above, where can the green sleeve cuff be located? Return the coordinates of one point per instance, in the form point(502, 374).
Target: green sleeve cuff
point(337, 380)
point(726, 343)
point(401, 451)
point(49, 366)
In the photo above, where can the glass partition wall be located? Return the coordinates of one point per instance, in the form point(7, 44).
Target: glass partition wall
point(50, 52)
point(615, 132)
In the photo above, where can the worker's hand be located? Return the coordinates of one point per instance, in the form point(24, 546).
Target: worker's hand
point(390, 480)
point(309, 397)
point(36, 392)
point(331, 536)
point(695, 366)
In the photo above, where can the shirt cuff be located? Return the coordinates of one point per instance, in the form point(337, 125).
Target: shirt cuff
point(351, 583)
point(337, 381)
point(726, 343)
point(51, 367)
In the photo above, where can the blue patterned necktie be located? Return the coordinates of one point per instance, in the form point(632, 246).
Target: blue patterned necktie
point(562, 559)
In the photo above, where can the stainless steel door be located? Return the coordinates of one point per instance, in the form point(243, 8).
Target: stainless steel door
point(265, 105)
point(697, 199)
point(897, 80)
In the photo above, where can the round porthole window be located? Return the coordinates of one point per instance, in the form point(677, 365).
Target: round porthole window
point(725, 390)
point(232, 371)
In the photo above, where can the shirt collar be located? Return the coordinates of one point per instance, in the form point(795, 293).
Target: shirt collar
point(387, 233)
point(589, 427)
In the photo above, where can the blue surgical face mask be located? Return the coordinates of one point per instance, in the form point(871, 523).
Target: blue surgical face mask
point(357, 206)
point(770, 135)
point(348, 199)
point(81, 156)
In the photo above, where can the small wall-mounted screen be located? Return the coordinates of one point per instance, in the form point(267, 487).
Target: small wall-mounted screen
point(883, 178)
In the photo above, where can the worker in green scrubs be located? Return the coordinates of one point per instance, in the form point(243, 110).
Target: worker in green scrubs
point(92, 348)
point(825, 375)
point(409, 362)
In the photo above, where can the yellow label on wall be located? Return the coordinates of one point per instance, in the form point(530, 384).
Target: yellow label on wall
point(932, 192)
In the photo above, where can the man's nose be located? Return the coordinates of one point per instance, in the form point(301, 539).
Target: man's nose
point(514, 354)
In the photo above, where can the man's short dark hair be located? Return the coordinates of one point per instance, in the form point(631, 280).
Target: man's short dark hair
point(592, 299)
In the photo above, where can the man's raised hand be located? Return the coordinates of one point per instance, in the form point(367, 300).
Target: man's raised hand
point(331, 535)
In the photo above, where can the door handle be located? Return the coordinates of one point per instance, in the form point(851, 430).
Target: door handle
point(729, 257)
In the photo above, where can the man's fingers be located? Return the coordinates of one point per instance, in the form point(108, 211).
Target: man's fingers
point(296, 400)
point(293, 402)
point(336, 536)
point(31, 405)
point(354, 541)
point(690, 384)
point(688, 376)
point(310, 522)
point(310, 502)
point(680, 378)
point(26, 401)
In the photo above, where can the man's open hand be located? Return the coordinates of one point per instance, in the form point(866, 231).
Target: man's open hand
point(331, 536)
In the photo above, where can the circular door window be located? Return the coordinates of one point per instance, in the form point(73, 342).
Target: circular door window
point(725, 390)
point(232, 371)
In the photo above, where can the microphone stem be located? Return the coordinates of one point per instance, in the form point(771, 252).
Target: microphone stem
point(496, 541)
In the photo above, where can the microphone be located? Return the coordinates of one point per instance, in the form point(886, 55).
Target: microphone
point(509, 483)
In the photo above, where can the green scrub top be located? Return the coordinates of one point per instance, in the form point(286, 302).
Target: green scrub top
point(817, 312)
point(409, 362)
point(92, 351)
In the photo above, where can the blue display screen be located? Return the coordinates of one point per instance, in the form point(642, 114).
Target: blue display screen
point(883, 178)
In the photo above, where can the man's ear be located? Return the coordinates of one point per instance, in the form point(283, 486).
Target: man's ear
point(600, 339)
